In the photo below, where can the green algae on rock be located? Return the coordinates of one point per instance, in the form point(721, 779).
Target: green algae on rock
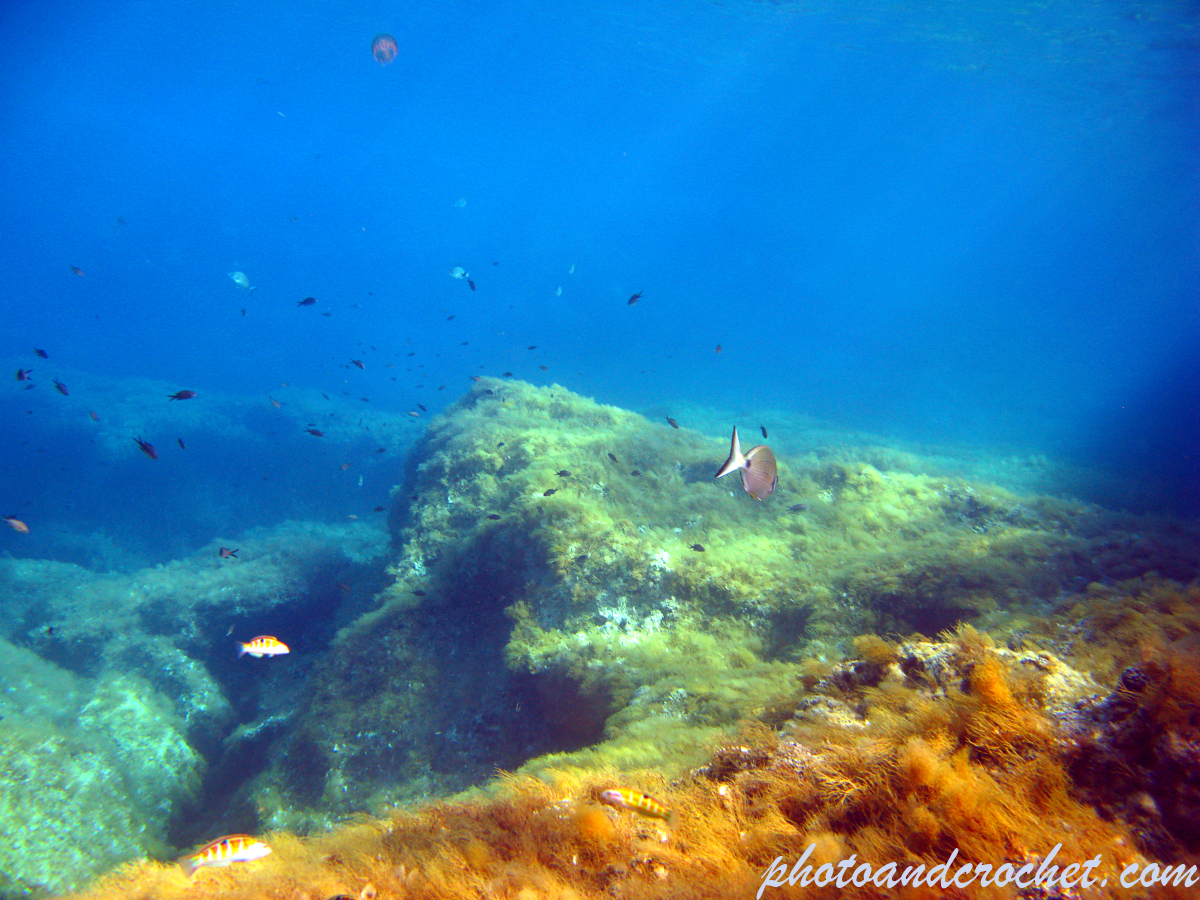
point(547, 608)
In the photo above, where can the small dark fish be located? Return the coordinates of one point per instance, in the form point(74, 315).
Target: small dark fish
point(470, 284)
point(179, 441)
point(23, 374)
point(613, 458)
point(307, 301)
point(531, 347)
point(94, 415)
point(243, 310)
point(381, 509)
point(563, 473)
point(477, 378)
point(146, 448)
point(327, 314)
point(381, 450)
point(417, 593)
point(507, 374)
point(544, 368)
point(501, 444)
point(582, 557)
point(357, 362)
point(798, 507)
point(60, 387)
point(226, 553)
point(314, 432)
point(493, 516)
point(635, 298)
point(181, 395)
point(449, 318)
point(422, 408)
point(78, 271)
point(489, 391)
point(42, 353)
point(671, 422)
point(635, 473)
point(549, 492)
point(763, 429)
point(699, 548)
point(718, 350)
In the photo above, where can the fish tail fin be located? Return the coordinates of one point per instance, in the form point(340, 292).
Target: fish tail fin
point(736, 459)
point(241, 650)
point(250, 291)
point(188, 864)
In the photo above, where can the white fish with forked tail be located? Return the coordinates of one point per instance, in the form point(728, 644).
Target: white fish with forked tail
point(240, 279)
point(759, 476)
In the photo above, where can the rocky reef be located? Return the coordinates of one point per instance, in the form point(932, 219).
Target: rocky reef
point(887, 657)
point(572, 588)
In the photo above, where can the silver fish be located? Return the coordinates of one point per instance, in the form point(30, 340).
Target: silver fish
point(240, 279)
point(759, 476)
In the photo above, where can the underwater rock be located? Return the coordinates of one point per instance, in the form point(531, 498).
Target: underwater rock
point(546, 607)
point(91, 773)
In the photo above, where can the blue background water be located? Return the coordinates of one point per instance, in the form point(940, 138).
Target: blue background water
point(941, 221)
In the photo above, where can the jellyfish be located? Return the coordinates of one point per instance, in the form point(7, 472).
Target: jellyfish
point(384, 48)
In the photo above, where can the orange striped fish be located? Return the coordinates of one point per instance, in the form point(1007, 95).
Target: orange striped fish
point(224, 851)
point(636, 801)
point(263, 645)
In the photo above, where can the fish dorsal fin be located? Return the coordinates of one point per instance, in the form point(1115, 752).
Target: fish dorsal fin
point(736, 459)
point(760, 475)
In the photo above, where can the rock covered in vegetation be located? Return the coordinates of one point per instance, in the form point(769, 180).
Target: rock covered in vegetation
point(549, 599)
point(90, 772)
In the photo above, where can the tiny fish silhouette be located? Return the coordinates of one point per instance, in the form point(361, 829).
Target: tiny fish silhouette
point(549, 492)
point(493, 516)
point(635, 298)
point(78, 271)
point(763, 429)
point(671, 422)
point(226, 553)
point(357, 362)
point(146, 447)
point(613, 458)
point(179, 441)
point(307, 301)
point(314, 432)
point(181, 395)
point(699, 548)
point(42, 353)
point(23, 374)
point(60, 387)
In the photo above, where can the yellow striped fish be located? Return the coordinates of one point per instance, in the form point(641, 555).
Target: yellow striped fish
point(263, 645)
point(636, 801)
point(224, 851)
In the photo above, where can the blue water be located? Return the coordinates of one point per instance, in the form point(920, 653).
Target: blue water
point(945, 222)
